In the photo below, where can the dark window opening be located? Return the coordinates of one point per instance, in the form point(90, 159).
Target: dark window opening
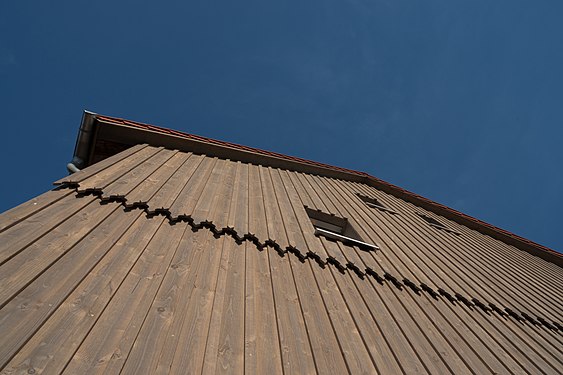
point(436, 224)
point(337, 229)
point(374, 203)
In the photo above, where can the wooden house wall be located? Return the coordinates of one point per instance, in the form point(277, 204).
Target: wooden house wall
point(159, 261)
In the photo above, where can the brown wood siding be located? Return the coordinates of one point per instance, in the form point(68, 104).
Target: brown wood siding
point(160, 261)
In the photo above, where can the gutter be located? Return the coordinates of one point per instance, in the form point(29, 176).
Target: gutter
point(83, 143)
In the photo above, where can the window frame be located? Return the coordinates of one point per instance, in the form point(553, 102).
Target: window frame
point(337, 228)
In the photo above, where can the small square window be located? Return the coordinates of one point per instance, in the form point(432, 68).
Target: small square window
point(374, 203)
point(436, 224)
point(337, 229)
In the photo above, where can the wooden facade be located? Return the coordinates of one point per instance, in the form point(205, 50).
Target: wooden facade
point(165, 261)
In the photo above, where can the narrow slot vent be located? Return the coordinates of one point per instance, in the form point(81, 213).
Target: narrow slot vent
point(374, 203)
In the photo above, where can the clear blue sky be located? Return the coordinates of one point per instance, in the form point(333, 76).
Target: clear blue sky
point(459, 101)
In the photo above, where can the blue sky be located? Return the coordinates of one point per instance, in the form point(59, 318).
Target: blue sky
point(459, 101)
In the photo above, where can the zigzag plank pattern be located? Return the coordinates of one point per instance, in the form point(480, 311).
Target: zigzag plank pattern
point(150, 261)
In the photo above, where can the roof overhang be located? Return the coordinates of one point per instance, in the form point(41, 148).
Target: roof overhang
point(102, 136)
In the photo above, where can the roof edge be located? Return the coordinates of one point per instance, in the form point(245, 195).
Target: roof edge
point(136, 132)
point(483, 227)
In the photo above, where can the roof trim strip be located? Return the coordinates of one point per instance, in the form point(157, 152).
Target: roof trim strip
point(131, 132)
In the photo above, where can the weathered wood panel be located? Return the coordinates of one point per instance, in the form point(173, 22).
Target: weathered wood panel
point(232, 279)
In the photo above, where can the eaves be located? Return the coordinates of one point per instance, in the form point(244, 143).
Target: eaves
point(96, 130)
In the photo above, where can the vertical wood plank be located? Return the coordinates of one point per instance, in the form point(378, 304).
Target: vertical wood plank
point(108, 345)
point(129, 181)
point(262, 342)
point(27, 232)
point(326, 347)
point(31, 207)
point(20, 270)
point(224, 351)
point(41, 288)
point(159, 178)
point(186, 201)
point(105, 177)
point(54, 344)
point(169, 192)
point(100, 166)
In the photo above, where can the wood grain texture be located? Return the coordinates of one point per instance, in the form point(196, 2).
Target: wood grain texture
point(262, 354)
point(21, 212)
point(129, 181)
point(44, 286)
point(239, 210)
point(32, 229)
point(297, 353)
point(23, 268)
point(112, 173)
point(224, 352)
point(186, 263)
point(153, 183)
point(54, 344)
point(189, 198)
point(168, 193)
point(326, 348)
point(107, 347)
point(100, 166)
